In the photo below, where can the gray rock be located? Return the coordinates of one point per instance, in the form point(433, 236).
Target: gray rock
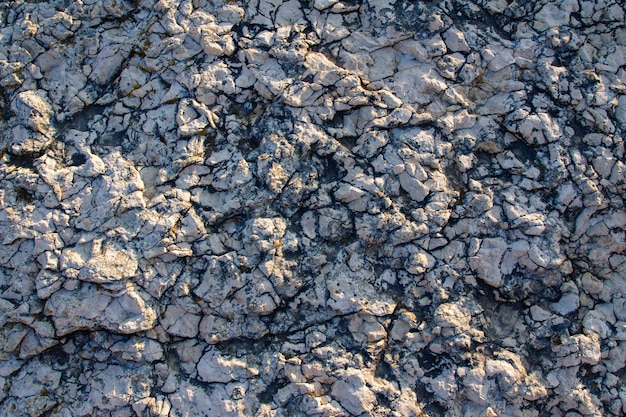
point(312, 208)
point(87, 308)
point(213, 367)
point(109, 266)
point(34, 110)
point(486, 263)
point(352, 393)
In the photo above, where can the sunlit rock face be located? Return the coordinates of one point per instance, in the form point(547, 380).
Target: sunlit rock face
point(312, 208)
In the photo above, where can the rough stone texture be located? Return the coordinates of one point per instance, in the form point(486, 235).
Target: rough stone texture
point(312, 208)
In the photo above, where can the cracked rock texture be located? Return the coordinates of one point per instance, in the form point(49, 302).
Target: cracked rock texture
point(312, 208)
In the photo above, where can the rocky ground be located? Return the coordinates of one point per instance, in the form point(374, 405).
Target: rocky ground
point(312, 208)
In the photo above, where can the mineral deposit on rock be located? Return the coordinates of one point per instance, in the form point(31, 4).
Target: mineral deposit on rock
point(312, 208)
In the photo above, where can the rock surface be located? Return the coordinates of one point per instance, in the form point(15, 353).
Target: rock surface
point(312, 208)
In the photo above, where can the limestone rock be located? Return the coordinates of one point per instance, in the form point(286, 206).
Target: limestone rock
point(87, 308)
point(486, 263)
point(111, 265)
point(353, 394)
point(325, 208)
point(213, 367)
point(34, 110)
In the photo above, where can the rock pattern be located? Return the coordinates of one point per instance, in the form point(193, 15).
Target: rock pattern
point(322, 208)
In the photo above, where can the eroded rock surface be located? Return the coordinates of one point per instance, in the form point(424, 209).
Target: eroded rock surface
point(322, 208)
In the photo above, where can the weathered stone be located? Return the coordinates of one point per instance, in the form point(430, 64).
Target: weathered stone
point(213, 367)
point(312, 208)
point(86, 308)
point(34, 110)
point(352, 393)
point(486, 263)
point(110, 266)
